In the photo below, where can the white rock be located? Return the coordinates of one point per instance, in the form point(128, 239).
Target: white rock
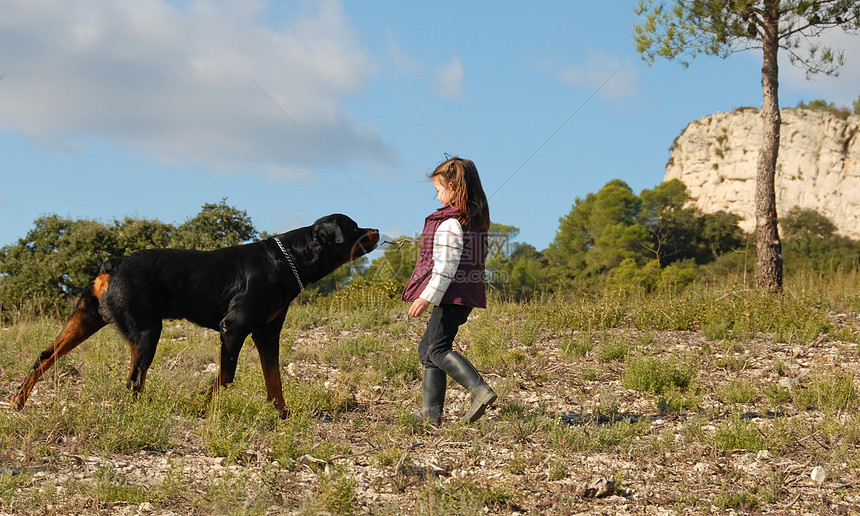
point(818, 474)
point(818, 165)
point(788, 383)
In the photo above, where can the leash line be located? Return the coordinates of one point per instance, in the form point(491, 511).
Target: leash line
point(292, 264)
point(316, 144)
point(553, 134)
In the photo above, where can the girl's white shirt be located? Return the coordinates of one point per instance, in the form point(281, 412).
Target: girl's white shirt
point(447, 250)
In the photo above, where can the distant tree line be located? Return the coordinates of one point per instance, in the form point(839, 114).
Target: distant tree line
point(59, 256)
point(823, 105)
point(612, 238)
point(615, 236)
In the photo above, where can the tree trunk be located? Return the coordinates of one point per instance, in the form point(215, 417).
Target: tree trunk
point(768, 269)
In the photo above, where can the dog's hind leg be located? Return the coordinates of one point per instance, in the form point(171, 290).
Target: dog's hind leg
point(143, 343)
point(84, 321)
point(232, 338)
point(267, 341)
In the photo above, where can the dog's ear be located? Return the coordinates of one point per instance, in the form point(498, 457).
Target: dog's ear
point(328, 231)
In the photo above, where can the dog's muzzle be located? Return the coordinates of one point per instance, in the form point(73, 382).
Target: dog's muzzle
point(366, 243)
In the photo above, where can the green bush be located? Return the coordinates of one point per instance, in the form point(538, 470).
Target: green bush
point(655, 375)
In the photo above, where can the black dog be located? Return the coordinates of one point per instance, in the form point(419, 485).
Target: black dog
point(238, 291)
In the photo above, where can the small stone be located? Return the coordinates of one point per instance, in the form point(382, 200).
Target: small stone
point(764, 455)
point(818, 474)
point(701, 468)
point(788, 383)
point(291, 369)
point(599, 487)
point(146, 508)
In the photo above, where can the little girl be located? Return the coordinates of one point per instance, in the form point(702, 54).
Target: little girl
point(450, 275)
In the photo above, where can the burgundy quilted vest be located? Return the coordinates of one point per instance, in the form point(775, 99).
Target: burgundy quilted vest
point(468, 286)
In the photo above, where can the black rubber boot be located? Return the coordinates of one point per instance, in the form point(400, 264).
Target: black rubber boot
point(464, 373)
point(433, 384)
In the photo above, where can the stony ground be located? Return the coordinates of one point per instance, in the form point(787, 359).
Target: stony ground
point(566, 437)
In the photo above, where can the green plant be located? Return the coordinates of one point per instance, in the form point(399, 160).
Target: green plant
point(460, 497)
point(674, 400)
point(738, 433)
point(731, 499)
point(586, 437)
point(558, 470)
point(10, 482)
point(388, 457)
point(737, 391)
point(400, 363)
point(612, 349)
point(489, 343)
point(777, 395)
point(578, 346)
point(336, 492)
point(829, 392)
point(110, 488)
point(655, 374)
point(528, 332)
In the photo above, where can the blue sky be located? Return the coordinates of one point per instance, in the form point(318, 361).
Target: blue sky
point(111, 108)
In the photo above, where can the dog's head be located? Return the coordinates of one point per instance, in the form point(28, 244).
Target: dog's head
point(342, 237)
point(327, 244)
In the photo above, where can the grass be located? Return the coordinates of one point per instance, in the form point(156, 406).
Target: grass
point(737, 392)
point(656, 374)
point(601, 383)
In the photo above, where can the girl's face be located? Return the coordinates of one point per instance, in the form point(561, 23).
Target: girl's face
point(444, 191)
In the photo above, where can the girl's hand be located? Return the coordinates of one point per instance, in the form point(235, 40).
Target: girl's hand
point(418, 307)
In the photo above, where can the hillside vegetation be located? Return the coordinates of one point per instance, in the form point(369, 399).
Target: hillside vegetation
point(610, 239)
point(612, 401)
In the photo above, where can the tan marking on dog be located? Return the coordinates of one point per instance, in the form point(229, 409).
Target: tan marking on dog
point(274, 316)
point(100, 285)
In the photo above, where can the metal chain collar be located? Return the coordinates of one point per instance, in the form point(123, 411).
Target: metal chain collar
point(292, 264)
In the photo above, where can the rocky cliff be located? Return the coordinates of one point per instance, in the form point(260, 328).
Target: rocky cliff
point(818, 165)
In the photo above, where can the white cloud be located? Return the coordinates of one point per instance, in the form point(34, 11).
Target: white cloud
point(171, 81)
point(449, 80)
point(842, 90)
point(595, 71)
point(403, 62)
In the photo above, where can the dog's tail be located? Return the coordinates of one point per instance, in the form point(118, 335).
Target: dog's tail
point(84, 321)
point(110, 265)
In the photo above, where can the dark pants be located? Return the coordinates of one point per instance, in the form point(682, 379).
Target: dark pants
point(439, 336)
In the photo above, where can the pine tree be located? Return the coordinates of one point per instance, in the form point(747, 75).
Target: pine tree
point(723, 27)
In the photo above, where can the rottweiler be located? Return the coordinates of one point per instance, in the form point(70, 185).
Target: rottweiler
point(238, 291)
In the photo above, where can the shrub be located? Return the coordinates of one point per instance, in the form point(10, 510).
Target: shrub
point(737, 391)
point(830, 392)
point(655, 375)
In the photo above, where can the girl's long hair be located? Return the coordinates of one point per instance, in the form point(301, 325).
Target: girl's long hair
point(469, 196)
